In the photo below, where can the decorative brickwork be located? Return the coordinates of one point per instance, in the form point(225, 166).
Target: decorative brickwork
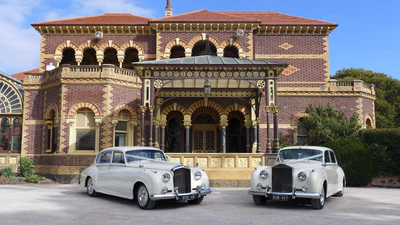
point(210, 104)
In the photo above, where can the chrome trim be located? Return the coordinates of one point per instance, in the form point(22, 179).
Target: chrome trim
point(180, 167)
point(176, 195)
point(294, 193)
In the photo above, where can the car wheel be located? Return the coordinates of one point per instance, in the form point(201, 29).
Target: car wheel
point(259, 200)
point(196, 201)
point(319, 203)
point(143, 198)
point(90, 188)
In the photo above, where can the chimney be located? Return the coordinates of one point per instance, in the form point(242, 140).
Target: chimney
point(168, 9)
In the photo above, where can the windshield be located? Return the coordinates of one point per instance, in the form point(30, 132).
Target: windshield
point(300, 153)
point(136, 155)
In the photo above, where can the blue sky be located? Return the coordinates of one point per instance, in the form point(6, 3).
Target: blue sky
point(367, 36)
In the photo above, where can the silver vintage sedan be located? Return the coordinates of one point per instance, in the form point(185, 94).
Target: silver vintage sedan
point(143, 173)
point(300, 172)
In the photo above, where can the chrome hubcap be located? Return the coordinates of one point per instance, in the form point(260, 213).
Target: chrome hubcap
point(90, 186)
point(142, 196)
point(322, 199)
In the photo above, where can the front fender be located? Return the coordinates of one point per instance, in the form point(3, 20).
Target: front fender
point(317, 179)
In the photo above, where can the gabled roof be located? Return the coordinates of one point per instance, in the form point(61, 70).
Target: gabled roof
point(20, 76)
point(104, 19)
point(275, 18)
point(206, 16)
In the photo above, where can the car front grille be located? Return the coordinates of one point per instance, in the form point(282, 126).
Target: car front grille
point(282, 180)
point(182, 179)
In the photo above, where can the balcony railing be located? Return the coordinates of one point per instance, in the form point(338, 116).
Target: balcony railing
point(83, 72)
point(351, 86)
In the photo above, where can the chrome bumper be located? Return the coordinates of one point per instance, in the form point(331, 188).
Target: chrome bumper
point(176, 195)
point(295, 193)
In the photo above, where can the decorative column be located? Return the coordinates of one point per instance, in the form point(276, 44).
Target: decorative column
point(120, 57)
point(275, 110)
point(269, 148)
point(248, 135)
point(143, 125)
point(58, 57)
point(276, 139)
point(163, 124)
point(78, 57)
point(97, 120)
point(223, 124)
point(255, 139)
point(151, 109)
point(100, 57)
point(187, 122)
point(156, 128)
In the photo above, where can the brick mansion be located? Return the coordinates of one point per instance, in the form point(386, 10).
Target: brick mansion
point(221, 90)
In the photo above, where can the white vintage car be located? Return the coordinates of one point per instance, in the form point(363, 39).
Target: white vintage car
point(143, 173)
point(300, 172)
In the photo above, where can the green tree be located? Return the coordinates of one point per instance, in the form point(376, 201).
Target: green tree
point(387, 89)
point(326, 124)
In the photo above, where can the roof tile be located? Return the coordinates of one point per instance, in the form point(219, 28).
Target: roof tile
point(104, 19)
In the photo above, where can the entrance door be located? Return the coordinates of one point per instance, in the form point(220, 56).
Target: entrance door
point(204, 138)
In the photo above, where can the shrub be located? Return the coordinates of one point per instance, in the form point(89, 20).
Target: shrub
point(7, 172)
point(387, 142)
point(383, 163)
point(26, 167)
point(35, 178)
point(355, 159)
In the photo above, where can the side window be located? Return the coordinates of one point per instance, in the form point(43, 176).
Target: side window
point(105, 157)
point(333, 158)
point(118, 157)
point(327, 157)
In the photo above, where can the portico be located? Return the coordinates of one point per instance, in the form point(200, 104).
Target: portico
point(208, 104)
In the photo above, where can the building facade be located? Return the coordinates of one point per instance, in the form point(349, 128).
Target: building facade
point(214, 89)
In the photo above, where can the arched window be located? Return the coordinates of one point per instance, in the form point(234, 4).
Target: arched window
point(9, 99)
point(5, 134)
point(231, 51)
point(131, 55)
point(177, 52)
point(68, 57)
point(302, 133)
point(200, 46)
point(368, 123)
point(85, 130)
point(121, 129)
point(89, 57)
point(16, 134)
point(110, 57)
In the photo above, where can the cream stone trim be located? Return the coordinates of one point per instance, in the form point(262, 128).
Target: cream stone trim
point(107, 135)
point(292, 56)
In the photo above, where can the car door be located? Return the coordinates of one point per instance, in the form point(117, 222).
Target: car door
point(103, 167)
point(335, 173)
point(115, 175)
point(331, 172)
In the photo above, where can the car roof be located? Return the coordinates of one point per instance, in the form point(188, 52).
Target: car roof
point(130, 148)
point(321, 148)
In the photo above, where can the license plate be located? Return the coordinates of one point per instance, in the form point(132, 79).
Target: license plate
point(280, 198)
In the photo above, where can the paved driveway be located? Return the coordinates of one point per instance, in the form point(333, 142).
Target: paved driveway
point(69, 204)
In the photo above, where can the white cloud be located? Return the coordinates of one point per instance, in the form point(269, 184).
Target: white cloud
point(20, 43)
point(19, 46)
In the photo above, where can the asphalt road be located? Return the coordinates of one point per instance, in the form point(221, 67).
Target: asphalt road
point(69, 204)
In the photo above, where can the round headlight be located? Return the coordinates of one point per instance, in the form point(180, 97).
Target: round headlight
point(197, 175)
point(264, 174)
point(302, 176)
point(166, 177)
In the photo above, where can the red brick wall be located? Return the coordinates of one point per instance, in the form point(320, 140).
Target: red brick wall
point(35, 106)
point(301, 44)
